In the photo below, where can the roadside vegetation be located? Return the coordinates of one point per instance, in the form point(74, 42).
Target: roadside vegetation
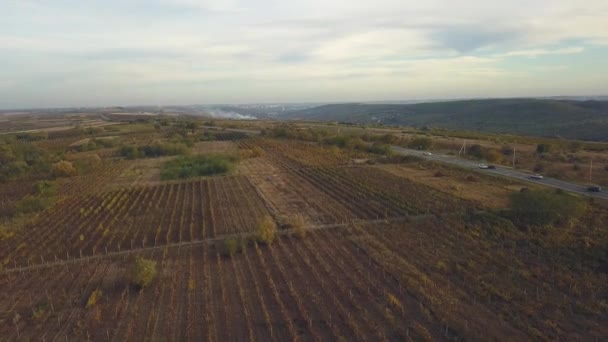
point(546, 207)
point(353, 142)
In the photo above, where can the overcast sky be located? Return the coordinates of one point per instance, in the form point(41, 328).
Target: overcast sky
point(121, 52)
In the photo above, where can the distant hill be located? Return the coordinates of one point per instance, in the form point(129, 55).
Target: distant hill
point(583, 120)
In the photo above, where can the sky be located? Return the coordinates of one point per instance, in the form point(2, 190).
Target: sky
point(64, 53)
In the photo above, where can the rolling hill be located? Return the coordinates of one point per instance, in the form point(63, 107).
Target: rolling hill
point(583, 120)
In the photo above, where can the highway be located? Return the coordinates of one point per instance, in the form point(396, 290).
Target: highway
point(503, 171)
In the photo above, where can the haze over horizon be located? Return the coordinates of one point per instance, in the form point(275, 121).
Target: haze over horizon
point(70, 53)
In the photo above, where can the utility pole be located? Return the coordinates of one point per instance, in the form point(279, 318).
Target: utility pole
point(463, 148)
point(513, 156)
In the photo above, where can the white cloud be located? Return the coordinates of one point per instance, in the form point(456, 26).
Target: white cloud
point(541, 52)
point(265, 49)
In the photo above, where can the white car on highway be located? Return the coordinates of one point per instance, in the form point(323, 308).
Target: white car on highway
point(536, 176)
point(427, 153)
point(483, 166)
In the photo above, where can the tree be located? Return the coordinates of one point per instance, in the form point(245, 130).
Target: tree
point(543, 148)
point(475, 151)
point(507, 150)
point(493, 156)
point(130, 152)
point(266, 230)
point(144, 272)
point(64, 169)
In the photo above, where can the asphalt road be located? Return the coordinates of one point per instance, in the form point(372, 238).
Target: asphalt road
point(504, 171)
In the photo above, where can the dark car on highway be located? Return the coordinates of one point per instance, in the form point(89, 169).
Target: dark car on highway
point(594, 188)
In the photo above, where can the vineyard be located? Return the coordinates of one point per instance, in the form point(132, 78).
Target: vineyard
point(292, 290)
point(361, 252)
point(138, 217)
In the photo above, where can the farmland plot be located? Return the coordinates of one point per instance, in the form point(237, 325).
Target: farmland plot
point(487, 287)
point(321, 288)
point(138, 217)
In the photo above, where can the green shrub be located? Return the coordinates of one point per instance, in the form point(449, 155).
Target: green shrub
point(32, 204)
point(196, 166)
point(129, 152)
point(475, 151)
point(543, 148)
point(154, 150)
point(144, 272)
point(380, 148)
point(167, 149)
point(45, 188)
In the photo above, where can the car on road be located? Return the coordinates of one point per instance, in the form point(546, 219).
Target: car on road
point(492, 167)
point(427, 153)
point(483, 166)
point(537, 176)
point(594, 188)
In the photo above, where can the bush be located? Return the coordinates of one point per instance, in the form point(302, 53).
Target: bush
point(543, 148)
point(6, 232)
point(87, 163)
point(251, 153)
point(475, 151)
point(438, 174)
point(158, 150)
point(93, 298)
point(298, 224)
point(543, 207)
point(95, 144)
point(144, 272)
point(380, 148)
point(31, 205)
point(154, 150)
point(129, 152)
point(471, 178)
point(232, 246)
point(507, 150)
point(266, 230)
point(41, 311)
point(196, 166)
point(45, 188)
point(64, 169)
point(493, 156)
